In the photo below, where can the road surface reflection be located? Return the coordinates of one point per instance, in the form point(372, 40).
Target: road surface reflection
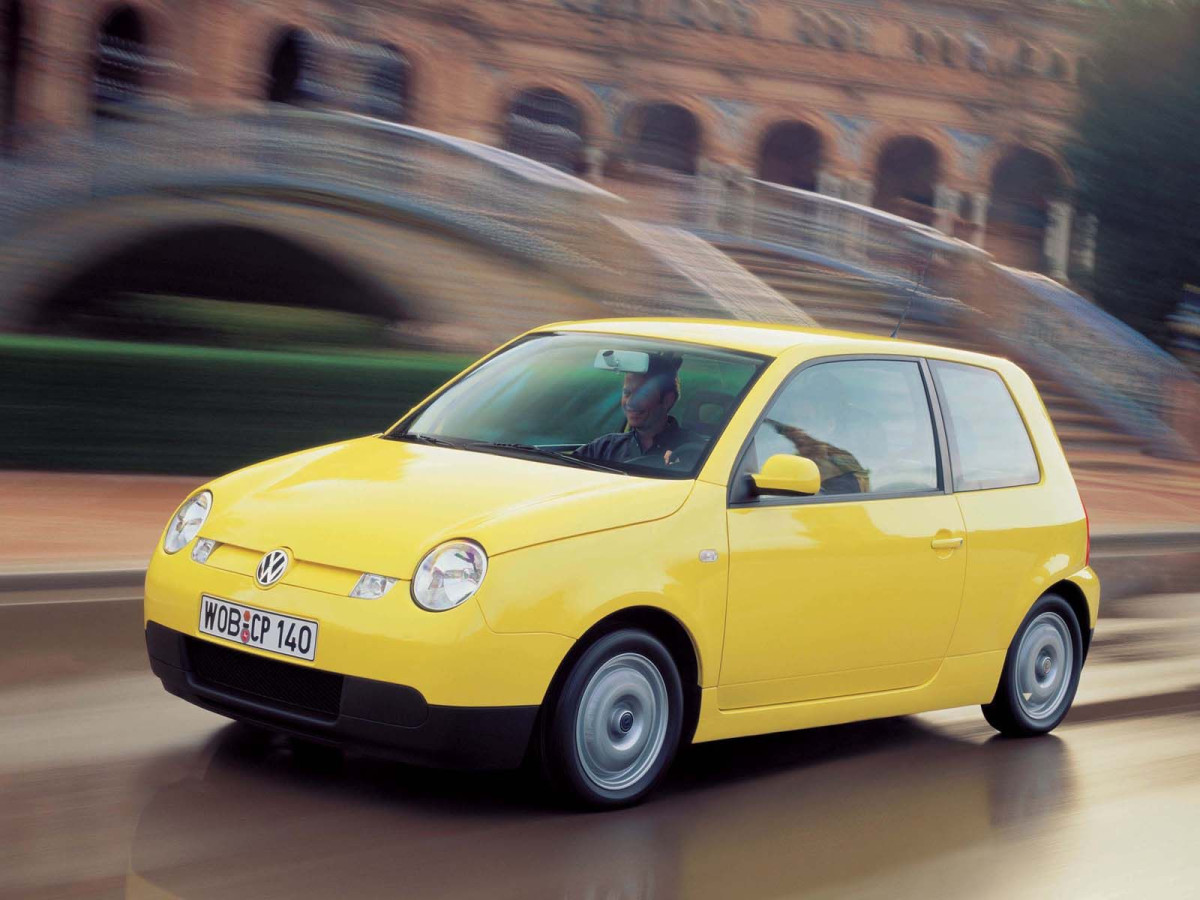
point(761, 817)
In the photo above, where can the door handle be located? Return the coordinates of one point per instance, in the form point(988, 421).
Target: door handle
point(952, 543)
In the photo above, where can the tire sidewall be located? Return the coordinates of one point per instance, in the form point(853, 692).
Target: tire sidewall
point(1048, 603)
point(560, 753)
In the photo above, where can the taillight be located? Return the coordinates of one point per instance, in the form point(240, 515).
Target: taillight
point(1087, 547)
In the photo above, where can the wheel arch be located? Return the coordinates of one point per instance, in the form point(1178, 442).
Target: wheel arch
point(1063, 574)
point(667, 628)
point(1076, 599)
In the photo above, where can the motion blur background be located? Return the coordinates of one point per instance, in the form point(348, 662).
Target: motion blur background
point(230, 229)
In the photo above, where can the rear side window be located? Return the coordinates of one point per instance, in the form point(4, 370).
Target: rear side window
point(989, 446)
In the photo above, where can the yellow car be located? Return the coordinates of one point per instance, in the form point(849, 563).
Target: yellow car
point(609, 538)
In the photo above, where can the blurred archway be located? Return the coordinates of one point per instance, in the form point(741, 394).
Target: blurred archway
point(546, 125)
point(791, 155)
point(122, 62)
point(389, 85)
point(220, 284)
point(905, 177)
point(667, 136)
point(1023, 183)
point(289, 62)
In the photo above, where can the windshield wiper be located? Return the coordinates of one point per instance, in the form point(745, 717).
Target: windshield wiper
point(557, 455)
point(544, 453)
point(417, 438)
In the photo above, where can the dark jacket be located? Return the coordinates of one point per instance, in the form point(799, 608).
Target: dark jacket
point(623, 446)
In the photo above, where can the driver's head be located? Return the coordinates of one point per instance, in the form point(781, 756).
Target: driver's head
point(647, 398)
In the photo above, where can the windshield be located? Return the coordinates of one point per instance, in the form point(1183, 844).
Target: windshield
point(633, 405)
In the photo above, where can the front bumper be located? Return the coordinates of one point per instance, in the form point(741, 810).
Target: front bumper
point(383, 718)
point(453, 658)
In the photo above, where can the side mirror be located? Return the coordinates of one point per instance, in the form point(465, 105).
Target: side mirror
point(787, 474)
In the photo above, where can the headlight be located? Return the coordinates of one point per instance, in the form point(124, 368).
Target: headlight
point(449, 575)
point(187, 522)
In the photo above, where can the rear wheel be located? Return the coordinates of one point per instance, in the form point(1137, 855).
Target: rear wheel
point(613, 727)
point(1041, 671)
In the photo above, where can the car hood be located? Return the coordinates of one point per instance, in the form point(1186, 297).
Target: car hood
point(376, 505)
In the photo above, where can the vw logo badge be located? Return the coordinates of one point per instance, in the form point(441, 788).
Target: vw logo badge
point(271, 567)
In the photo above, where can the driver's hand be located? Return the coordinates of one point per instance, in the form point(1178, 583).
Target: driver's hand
point(667, 458)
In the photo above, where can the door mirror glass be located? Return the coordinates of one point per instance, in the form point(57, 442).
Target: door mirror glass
point(789, 475)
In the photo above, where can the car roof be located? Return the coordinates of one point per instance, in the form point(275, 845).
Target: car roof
point(767, 338)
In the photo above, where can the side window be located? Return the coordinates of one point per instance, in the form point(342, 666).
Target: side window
point(865, 423)
point(989, 446)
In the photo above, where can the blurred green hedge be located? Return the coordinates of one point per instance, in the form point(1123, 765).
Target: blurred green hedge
point(127, 407)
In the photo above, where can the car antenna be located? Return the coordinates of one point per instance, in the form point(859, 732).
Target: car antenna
point(912, 293)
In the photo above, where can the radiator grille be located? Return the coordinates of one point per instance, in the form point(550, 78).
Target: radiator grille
point(290, 687)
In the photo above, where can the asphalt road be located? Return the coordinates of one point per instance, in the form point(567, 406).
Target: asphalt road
point(110, 787)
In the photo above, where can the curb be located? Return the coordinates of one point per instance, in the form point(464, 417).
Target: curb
point(12, 582)
point(1141, 563)
point(1131, 543)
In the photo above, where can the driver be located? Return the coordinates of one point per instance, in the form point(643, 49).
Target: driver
point(646, 400)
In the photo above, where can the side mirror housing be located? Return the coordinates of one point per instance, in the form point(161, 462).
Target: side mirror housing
point(788, 475)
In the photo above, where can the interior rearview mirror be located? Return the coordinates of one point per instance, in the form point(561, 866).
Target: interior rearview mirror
point(636, 361)
point(790, 475)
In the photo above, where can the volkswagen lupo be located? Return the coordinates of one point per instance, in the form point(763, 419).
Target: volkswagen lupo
point(610, 538)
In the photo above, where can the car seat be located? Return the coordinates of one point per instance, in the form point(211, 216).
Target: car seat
point(705, 411)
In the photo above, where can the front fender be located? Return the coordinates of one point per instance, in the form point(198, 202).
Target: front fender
point(568, 586)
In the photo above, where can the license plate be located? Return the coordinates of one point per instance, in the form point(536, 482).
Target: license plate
point(258, 628)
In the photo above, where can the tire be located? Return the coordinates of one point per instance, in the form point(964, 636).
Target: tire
point(1041, 671)
point(627, 683)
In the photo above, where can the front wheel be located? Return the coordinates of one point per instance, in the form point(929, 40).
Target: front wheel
point(1041, 671)
point(612, 730)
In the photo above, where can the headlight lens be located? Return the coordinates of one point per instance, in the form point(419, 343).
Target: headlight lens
point(187, 522)
point(449, 575)
point(372, 587)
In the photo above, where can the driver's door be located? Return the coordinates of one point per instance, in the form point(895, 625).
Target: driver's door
point(856, 589)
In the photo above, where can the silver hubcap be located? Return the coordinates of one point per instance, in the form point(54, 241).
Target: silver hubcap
point(1045, 658)
point(622, 721)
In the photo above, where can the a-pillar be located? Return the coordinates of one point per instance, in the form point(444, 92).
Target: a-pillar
point(979, 211)
point(1057, 245)
point(946, 202)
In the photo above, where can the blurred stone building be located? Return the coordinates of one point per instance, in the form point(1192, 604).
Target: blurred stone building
point(950, 113)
